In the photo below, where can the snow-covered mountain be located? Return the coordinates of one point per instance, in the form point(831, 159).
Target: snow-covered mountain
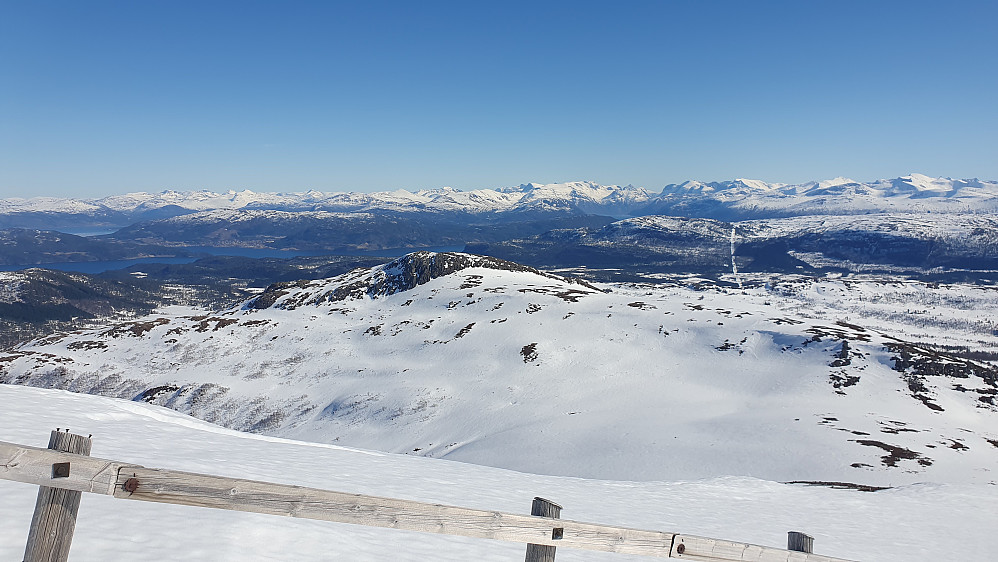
point(748, 199)
point(489, 362)
point(728, 200)
point(912, 186)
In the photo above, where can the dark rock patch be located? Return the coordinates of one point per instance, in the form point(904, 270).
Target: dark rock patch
point(958, 446)
point(529, 353)
point(895, 453)
point(152, 393)
point(220, 323)
point(842, 485)
point(470, 282)
point(842, 380)
point(135, 329)
point(86, 345)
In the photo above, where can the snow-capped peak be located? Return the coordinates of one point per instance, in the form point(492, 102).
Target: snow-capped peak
point(834, 182)
point(758, 184)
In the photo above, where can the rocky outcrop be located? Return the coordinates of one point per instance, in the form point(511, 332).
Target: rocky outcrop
point(403, 274)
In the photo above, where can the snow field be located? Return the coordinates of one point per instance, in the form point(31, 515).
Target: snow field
point(914, 522)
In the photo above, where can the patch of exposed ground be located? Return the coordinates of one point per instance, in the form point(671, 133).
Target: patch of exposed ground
point(895, 453)
point(135, 329)
point(529, 353)
point(841, 485)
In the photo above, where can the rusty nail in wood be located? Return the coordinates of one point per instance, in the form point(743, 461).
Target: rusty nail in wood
point(131, 485)
point(681, 548)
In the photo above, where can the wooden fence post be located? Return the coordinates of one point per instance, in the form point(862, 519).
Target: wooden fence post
point(544, 508)
point(800, 542)
point(54, 520)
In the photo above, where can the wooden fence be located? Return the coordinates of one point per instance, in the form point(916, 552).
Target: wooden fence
point(72, 473)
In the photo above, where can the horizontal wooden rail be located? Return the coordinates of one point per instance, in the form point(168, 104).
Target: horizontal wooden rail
point(33, 465)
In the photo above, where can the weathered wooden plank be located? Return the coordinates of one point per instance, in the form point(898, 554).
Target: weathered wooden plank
point(33, 465)
point(53, 522)
point(715, 550)
point(201, 490)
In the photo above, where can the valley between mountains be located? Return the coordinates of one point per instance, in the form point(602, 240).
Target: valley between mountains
point(481, 360)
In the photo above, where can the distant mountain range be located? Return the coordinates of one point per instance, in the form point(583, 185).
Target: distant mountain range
point(524, 201)
point(751, 199)
point(948, 246)
point(728, 200)
point(936, 229)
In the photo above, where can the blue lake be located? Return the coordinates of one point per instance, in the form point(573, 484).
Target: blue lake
point(88, 232)
point(95, 266)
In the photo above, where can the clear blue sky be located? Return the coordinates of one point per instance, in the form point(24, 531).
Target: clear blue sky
point(99, 97)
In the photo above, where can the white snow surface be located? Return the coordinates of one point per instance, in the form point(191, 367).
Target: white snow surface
point(919, 522)
point(519, 370)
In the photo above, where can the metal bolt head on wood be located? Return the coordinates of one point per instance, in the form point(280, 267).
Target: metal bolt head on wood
point(131, 485)
point(60, 470)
